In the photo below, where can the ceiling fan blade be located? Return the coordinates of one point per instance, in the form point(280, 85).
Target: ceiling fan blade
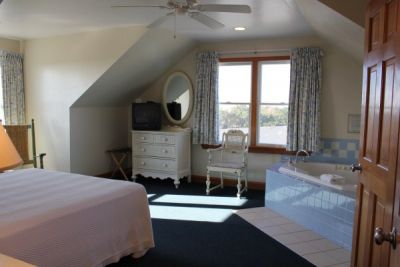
point(118, 6)
point(206, 20)
point(160, 21)
point(224, 8)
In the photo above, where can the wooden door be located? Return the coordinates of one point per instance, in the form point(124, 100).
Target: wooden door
point(379, 136)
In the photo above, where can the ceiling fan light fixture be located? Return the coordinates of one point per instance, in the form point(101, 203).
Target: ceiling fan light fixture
point(194, 10)
point(239, 29)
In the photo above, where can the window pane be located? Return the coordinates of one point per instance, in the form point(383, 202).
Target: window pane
point(233, 117)
point(234, 82)
point(273, 124)
point(275, 82)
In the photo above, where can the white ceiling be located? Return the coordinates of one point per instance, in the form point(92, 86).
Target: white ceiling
point(26, 19)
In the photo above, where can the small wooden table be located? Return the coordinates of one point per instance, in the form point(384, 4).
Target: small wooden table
point(119, 155)
point(7, 261)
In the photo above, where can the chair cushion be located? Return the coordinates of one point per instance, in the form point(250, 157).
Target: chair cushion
point(229, 165)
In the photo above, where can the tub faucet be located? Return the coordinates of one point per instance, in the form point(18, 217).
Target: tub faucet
point(299, 152)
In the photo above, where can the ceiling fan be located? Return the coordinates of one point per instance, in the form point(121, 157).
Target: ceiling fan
point(194, 10)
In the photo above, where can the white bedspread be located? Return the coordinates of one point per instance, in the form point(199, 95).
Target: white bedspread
point(56, 219)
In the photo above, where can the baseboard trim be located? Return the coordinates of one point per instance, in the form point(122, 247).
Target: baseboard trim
point(229, 182)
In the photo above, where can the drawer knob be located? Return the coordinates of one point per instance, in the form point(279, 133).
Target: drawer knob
point(143, 163)
point(165, 151)
point(166, 139)
point(143, 138)
point(143, 150)
point(165, 165)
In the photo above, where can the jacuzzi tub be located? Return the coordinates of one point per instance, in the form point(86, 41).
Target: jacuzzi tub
point(297, 192)
point(311, 172)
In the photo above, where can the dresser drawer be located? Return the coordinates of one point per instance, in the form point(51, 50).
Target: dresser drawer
point(143, 138)
point(154, 150)
point(154, 164)
point(164, 139)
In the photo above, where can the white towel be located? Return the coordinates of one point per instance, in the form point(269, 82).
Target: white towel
point(332, 178)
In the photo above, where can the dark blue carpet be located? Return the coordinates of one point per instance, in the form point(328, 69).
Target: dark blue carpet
point(233, 242)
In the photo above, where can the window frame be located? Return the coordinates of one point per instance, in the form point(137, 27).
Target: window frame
point(254, 102)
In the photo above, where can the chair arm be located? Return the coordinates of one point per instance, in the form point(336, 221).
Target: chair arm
point(40, 156)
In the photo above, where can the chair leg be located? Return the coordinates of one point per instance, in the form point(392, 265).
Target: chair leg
point(245, 179)
point(222, 180)
point(239, 185)
point(208, 183)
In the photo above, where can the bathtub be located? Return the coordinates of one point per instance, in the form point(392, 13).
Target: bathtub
point(311, 172)
point(295, 191)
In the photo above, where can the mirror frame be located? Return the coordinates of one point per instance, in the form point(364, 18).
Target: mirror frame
point(164, 98)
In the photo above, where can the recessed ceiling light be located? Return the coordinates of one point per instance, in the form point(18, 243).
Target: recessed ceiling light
point(240, 28)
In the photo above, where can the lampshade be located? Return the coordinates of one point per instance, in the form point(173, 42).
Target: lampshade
point(9, 157)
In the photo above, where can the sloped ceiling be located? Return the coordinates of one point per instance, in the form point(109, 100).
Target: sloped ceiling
point(337, 29)
point(354, 11)
point(145, 61)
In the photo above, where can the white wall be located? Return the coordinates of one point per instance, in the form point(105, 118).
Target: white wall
point(94, 130)
point(58, 70)
point(341, 92)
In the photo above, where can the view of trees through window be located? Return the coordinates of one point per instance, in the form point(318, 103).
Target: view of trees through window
point(237, 116)
point(234, 116)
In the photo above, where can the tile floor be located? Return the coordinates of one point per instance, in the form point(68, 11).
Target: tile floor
point(313, 247)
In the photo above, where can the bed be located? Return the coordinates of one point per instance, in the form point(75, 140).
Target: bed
point(57, 219)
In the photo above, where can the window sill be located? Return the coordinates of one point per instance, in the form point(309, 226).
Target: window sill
point(270, 150)
point(260, 149)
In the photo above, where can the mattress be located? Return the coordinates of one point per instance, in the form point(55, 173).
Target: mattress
point(56, 219)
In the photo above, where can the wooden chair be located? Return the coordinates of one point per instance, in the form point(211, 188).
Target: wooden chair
point(19, 135)
point(232, 159)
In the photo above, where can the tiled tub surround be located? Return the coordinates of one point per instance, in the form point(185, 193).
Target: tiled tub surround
point(333, 150)
point(325, 210)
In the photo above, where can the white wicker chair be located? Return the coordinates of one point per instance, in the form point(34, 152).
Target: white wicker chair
point(232, 159)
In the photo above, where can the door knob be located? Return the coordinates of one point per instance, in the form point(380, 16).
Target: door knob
point(355, 167)
point(380, 236)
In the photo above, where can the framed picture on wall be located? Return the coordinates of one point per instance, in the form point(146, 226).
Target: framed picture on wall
point(353, 123)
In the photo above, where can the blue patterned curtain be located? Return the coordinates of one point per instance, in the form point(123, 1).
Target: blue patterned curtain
point(304, 100)
point(13, 87)
point(205, 125)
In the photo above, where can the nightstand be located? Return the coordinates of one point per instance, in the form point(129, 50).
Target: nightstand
point(7, 261)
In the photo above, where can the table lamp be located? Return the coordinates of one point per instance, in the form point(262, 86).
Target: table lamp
point(9, 157)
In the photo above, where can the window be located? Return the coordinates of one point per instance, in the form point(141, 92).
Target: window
point(254, 97)
point(234, 94)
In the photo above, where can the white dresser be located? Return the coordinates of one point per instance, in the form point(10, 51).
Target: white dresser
point(162, 154)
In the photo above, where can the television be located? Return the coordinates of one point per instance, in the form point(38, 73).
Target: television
point(174, 109)
point(146, 116)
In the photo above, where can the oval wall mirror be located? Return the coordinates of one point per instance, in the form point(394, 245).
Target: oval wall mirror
point(178, 98)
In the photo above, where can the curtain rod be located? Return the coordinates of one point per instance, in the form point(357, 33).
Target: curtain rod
point(252, 51)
